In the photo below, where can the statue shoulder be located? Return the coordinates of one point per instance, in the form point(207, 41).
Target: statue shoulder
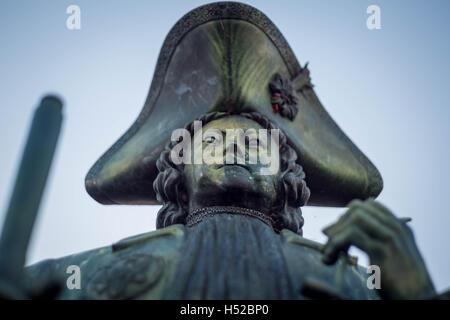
point(135, 264)
point(343, 280)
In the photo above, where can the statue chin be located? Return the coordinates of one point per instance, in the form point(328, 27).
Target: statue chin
point(237, 186)
point(240, 178)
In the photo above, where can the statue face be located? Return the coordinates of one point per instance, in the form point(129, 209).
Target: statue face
point(233, 176)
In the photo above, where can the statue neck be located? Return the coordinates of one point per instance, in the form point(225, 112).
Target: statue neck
point(230, 198)
point(198, 215)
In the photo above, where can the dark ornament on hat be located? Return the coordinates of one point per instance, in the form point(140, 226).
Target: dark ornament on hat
point(284, 98)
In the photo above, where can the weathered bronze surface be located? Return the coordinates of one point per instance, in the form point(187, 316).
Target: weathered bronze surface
point(224, 230)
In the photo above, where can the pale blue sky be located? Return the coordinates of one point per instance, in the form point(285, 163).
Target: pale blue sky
point(388, 89)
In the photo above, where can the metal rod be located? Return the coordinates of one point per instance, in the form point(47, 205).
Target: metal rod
point(27, 194)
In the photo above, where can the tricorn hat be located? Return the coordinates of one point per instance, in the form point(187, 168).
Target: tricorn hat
point(229, 56)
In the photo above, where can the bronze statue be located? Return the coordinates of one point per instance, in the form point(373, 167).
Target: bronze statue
point(226, 231)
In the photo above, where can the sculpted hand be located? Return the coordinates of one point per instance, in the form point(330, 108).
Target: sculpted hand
point(389, 243)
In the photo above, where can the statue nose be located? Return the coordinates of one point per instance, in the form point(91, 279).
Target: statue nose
point(234, 153)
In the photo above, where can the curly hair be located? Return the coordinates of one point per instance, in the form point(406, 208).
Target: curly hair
point(293, 191)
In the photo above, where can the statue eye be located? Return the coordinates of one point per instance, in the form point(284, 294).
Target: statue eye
point(210, 139)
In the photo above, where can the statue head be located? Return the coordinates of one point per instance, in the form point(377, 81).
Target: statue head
point(237, 178)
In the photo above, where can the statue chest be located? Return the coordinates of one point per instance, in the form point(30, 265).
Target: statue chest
point(224, 257)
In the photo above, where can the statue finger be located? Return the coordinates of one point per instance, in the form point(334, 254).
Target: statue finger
point(329, 229)
point(389, 221)
point(336, 245)
point(341, 243)
point(362, 220)
point(376, 204)
point(400, 224)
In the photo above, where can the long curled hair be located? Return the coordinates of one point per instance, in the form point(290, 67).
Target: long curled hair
point(293, 191)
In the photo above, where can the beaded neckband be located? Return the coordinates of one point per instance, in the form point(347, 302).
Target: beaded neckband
point(197, 215)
